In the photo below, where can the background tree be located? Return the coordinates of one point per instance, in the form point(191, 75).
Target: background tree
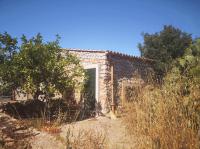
point(165, 46)
point(8, 49)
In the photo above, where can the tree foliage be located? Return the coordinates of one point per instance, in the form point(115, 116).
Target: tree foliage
point(43, 68)
point(8, 49)
point(189, 63)
point(165, 46)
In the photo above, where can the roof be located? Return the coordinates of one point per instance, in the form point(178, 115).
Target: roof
point(113, 53)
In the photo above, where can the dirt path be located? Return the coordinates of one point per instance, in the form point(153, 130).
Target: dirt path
point(46, 141)
point(112, 130)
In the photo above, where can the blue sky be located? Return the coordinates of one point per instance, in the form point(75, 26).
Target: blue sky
point(98, 24)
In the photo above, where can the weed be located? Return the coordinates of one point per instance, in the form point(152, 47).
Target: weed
point(165, 117)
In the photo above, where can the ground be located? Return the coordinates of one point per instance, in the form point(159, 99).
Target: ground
point(113, 130)
point(102, 127)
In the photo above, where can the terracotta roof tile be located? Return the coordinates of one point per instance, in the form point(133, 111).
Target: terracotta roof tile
point(113, 53)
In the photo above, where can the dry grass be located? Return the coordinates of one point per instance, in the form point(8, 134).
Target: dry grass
point(165, 117)
point(84, 139)
point(87, 140)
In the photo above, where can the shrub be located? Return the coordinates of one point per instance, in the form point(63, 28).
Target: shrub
point(86, 139)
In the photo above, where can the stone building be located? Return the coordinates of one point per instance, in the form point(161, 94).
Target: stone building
point(106, 71)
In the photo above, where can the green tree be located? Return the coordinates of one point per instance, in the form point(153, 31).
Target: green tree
point(37, 67)
point(164, 47)
point(8, 49)
point(45, 69)
point(189, 63)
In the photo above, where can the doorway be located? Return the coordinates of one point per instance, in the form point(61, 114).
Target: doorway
point(90, 88)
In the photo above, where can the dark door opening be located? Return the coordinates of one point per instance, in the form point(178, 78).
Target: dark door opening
point(90, 88)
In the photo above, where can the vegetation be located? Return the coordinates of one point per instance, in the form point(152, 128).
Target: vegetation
point(163, 117)
point(168, 115)
point(159, 116)
point(37, 67)
point(164, 47)
point(8, 48)
point(86, 139)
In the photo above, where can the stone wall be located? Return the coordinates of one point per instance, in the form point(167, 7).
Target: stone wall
point(126, 68)
point(96, 59)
